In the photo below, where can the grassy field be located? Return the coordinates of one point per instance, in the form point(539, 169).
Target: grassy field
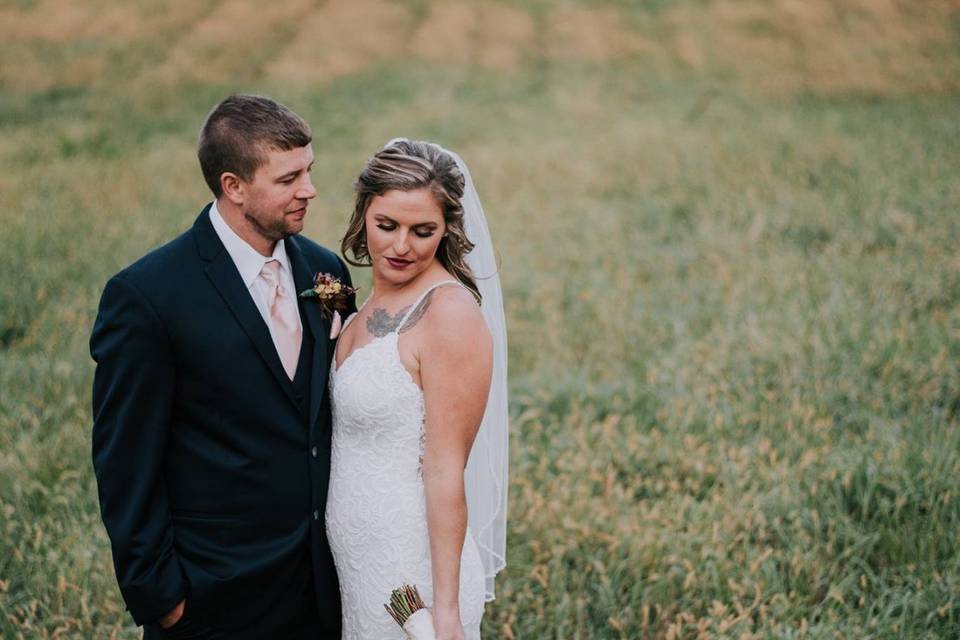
point(729, 234)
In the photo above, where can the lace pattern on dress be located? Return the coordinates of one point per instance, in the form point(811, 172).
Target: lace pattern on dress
point(376, 511)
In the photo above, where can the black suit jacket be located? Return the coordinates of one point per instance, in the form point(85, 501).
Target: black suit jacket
point(212, 474)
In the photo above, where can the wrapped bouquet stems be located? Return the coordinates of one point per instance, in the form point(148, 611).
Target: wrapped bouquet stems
point(407, 608)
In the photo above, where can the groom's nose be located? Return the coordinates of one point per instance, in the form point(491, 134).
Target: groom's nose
point(307, 191)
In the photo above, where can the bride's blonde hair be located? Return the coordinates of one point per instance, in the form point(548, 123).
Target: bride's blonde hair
point(407, 165)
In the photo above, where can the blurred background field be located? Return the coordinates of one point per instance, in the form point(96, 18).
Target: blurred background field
point(729, 234)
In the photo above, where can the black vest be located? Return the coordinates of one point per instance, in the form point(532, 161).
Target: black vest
point(304, 374)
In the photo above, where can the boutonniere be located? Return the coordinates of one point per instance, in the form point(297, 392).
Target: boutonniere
point(333, 297)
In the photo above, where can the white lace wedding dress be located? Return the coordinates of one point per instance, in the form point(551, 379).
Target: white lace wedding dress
point(376, 512)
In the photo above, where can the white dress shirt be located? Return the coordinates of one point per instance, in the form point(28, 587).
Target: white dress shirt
point(249, 263)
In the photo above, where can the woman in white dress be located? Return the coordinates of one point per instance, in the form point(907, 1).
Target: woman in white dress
point(418, 392)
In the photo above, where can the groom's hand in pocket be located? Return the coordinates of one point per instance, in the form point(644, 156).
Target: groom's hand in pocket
point(173, 617)
point(179, 624)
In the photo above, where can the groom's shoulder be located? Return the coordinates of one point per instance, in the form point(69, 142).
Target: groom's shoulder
point(163, 263)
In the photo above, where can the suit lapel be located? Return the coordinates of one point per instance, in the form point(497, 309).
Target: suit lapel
point(319, 326)
point(224, 275)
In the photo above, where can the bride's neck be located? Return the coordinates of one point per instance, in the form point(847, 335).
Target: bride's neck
point(383, 289)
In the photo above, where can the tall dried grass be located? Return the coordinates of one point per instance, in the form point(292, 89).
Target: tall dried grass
point(734, 301)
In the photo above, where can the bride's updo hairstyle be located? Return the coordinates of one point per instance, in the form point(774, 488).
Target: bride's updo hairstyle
point(408, 165)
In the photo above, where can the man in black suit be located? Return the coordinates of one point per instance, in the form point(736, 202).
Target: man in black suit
point(211, 435)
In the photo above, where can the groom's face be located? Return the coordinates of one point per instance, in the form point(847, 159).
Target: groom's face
point(275, 200)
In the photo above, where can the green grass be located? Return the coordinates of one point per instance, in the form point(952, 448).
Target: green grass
point(734, 321)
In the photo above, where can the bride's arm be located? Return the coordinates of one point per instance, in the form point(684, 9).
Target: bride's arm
point(455, 366)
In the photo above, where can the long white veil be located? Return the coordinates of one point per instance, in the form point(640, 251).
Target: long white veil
point(485, 478)
point(486, 475)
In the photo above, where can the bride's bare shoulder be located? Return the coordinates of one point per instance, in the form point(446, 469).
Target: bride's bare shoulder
point(453, 312)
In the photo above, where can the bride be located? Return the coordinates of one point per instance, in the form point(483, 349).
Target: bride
point(417, 489)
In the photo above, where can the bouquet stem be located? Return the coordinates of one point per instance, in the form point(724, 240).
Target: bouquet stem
point(407, 609)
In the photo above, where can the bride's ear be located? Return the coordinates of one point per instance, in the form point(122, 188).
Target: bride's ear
point(232, 187)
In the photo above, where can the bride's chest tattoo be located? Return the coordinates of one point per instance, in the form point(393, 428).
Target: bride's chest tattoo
point(381, 322)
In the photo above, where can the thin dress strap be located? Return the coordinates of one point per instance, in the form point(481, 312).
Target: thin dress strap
point(423, 295)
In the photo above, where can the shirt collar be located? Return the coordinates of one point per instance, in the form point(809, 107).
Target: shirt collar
point(249, 262)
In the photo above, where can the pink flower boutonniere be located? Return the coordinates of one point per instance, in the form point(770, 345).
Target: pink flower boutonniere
point(333, 297)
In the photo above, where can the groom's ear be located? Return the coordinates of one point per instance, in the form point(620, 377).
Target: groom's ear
point(232, 187)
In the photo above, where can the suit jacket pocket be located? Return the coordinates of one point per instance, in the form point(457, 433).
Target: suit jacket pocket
point(208, 546)
point(181, 515)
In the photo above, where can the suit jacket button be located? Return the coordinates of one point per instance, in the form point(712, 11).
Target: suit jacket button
point(316, 514)
point(313, 452)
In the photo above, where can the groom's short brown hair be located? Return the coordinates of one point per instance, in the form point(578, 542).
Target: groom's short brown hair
point(238, 133)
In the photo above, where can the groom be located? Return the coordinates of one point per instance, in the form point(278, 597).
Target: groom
point(211, 435)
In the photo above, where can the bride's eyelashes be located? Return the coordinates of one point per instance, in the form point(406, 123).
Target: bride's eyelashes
point(419, 233)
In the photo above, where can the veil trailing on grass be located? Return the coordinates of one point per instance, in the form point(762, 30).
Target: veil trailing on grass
point(485, 478)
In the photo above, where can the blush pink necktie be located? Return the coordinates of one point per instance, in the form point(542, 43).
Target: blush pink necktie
point(283, 314)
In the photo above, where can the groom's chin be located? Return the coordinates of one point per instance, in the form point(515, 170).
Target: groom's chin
point(292, 228)
point(294, 223)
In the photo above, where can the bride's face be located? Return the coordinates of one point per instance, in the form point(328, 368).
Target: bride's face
point(404, 229)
